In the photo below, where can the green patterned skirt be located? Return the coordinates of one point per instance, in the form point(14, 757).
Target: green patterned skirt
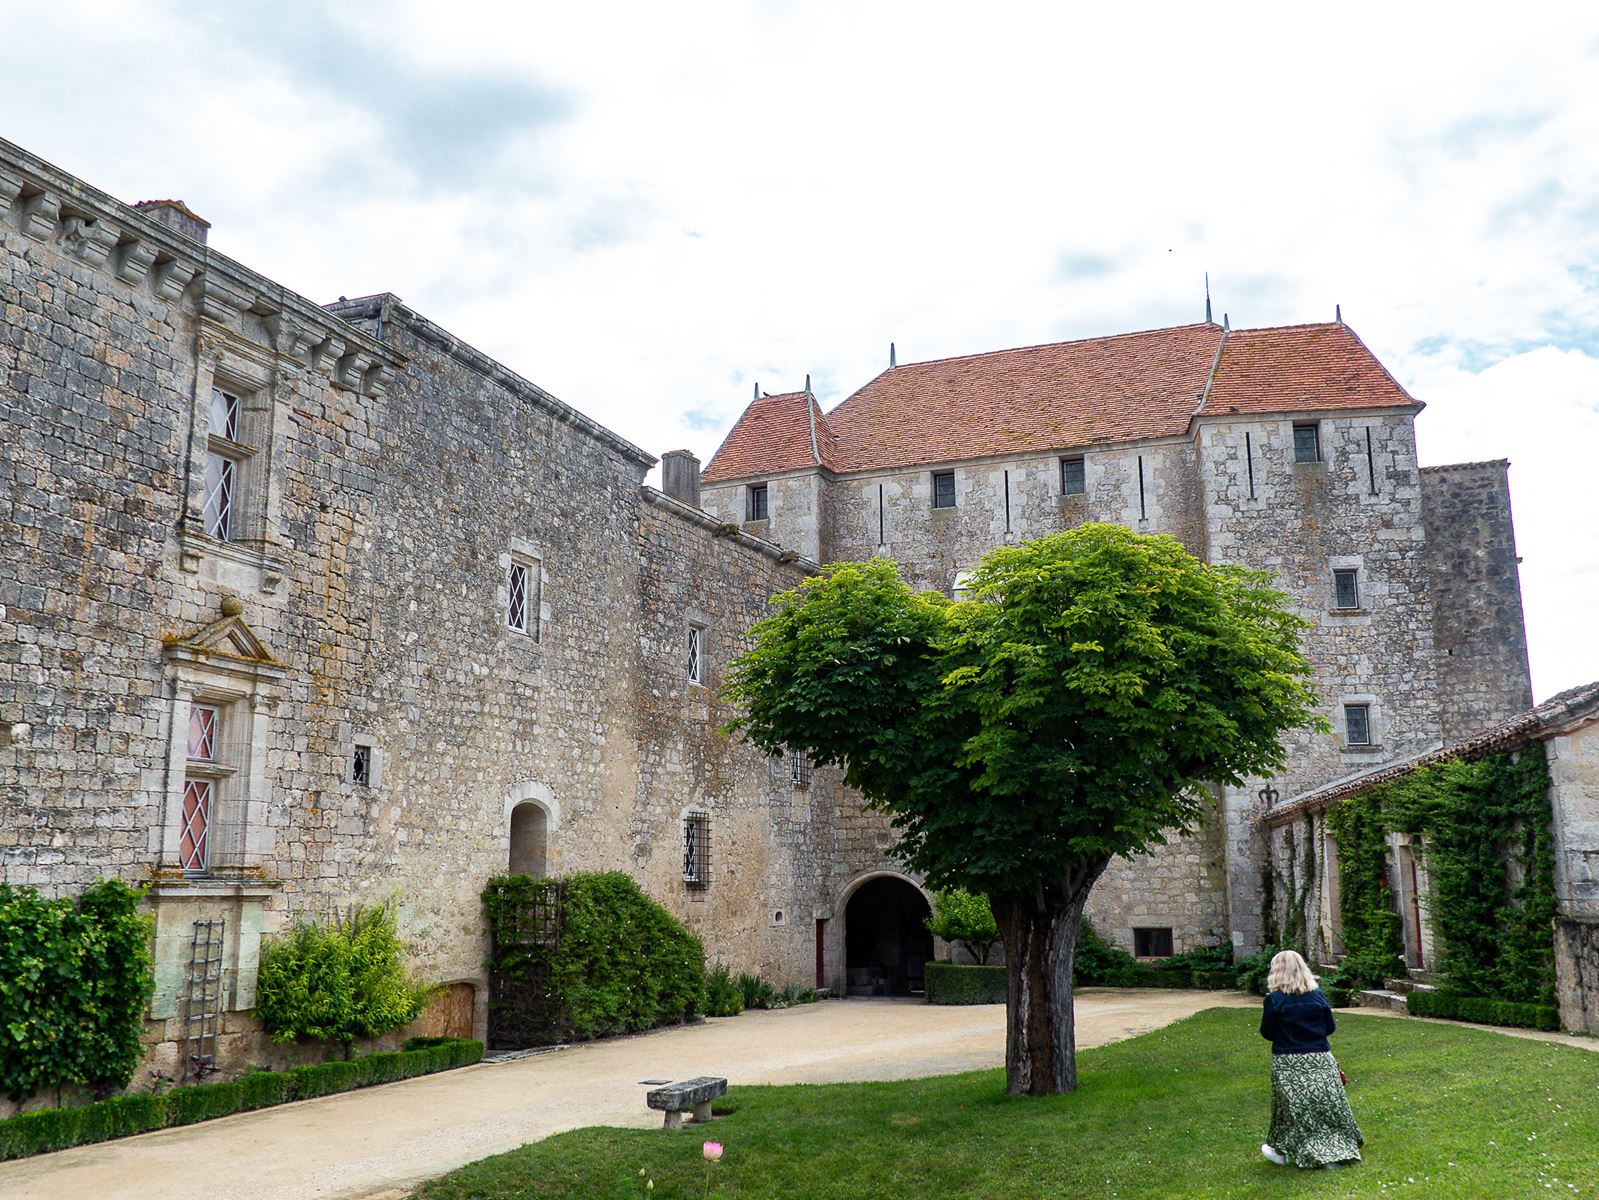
point(1311, 1124)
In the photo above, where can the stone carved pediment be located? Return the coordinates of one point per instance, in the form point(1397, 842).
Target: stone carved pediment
point(229, 643)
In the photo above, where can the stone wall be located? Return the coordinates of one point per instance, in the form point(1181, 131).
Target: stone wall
point(1577, 973)
point(1475, 578)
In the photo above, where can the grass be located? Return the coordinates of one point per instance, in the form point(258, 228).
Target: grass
point(1176, 1113)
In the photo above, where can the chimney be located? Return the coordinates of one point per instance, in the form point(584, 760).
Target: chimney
point(680, 477)
point(176, 216)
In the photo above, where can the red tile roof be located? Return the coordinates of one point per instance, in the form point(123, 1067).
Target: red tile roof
point(775, 434)
point(1056, 397)
point(1295, 367)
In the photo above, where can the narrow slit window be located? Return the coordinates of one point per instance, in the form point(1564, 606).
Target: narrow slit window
point(1307, 442)
point(1346, 589)
point(696, 654)
point(519, 598)
point(755, 508)
point(1357, 724)
point(799, 769)
point(1072, 480)
point(697, 850)
point(944, 489)
point(361, 766)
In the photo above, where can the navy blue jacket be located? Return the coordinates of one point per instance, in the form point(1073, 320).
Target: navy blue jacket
point(1297, 1024)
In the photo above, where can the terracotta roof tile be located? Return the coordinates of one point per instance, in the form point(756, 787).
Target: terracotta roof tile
point(775, 435)
point(1301, 367)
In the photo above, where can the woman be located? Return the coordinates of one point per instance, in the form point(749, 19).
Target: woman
point(1311, 1125)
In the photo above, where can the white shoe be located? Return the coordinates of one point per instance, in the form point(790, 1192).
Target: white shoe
point(1266, 1149)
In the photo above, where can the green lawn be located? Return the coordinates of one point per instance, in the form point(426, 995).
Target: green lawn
point(1447, 1112)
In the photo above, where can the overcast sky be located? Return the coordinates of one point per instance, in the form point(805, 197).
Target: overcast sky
point(649, 208)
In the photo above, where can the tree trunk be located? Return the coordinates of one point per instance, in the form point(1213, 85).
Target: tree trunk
point(1040, 937)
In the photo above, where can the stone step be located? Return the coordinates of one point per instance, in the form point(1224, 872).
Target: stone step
point(1382, 998)
point(1410, 983)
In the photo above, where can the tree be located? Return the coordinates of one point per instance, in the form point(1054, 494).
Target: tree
point(338, 982)
point(964, 917)
point(1075, 709)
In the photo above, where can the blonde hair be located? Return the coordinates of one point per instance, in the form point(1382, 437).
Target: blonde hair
point(1290, 974)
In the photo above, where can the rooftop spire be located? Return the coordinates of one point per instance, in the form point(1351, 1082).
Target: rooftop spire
point(1338, 313)
point(1208, 320)
point(891, 362)
point(807, 383)
point(757, 395)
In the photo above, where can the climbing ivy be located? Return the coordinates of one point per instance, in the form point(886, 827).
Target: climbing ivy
point(1485, 827)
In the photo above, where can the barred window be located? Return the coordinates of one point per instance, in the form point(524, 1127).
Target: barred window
point(523, 596)
point(697, 850)
point(361, 766)
point(799, 769)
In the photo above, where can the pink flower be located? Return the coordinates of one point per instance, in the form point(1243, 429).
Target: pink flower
point(713, 1151)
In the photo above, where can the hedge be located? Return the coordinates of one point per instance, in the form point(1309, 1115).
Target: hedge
point(1483, 1010)
point(60, 1128)
point(1141, 975)
point(957, 983)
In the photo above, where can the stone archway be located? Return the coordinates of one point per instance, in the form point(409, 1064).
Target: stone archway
point(886, 942)
point(530, 840)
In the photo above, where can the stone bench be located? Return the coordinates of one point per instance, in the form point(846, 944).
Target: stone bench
point(691, 1094)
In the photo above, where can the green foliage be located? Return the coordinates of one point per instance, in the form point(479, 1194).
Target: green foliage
point(58, 1128)
point(338, 982)
point(1482, 1010)
point(1485, 831)
point(75, 977)
point(1149, 975)
point(1096, 959)
point(1204, 958)
point(964, 917)
point(1064, 716)
point(1250, 973)
point(723, 995)
point(958, 983)
point(757, 993)
point(622, 963)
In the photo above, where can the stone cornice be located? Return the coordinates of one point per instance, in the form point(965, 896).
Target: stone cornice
point(45, 203)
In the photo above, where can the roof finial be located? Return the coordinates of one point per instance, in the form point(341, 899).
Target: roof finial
point(1338, 313)
point(807, 383)
point(757, 389)
point(1208, 320)
point(1226, 323)
point(891, 362)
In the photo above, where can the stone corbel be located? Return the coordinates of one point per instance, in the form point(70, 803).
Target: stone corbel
point(324, 354)
point(375, 381)
point(96, 241)
point(219, 301)
point(10, 188)
point(350, 368)
point(131, 260)
point(171, 276)
point(290, 336)
point(39, 213)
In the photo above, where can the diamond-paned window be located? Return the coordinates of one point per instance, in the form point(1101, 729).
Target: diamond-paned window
point(224, 414)
point(221, 478)
point(203, 728)
point(194, 843)
point(696, 654)
point(519, 608)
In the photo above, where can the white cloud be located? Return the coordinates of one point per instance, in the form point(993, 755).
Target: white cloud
point(646, 208)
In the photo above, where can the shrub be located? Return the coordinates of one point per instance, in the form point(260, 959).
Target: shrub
point(1216, 980)
point(324, 1079)
point(1096, 958)
point(1251, 972)
point(757, 993)
point(263, 1089)
point(723, 996)
point(964, 917)
point(794, 993)
point(338, 983)
point(1483, 1010)
point(76, 979)
point(1149, 975)
point(186, 1105)
point(622, 962)
point(957, 983)
point(1204, 958)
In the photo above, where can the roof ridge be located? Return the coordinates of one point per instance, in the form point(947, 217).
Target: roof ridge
point(1104, 337)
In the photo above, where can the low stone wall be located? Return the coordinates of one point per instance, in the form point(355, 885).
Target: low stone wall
point(1577, 973)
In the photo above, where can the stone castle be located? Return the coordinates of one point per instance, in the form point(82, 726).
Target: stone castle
point(305, 605)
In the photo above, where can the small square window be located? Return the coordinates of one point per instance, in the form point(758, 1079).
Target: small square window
point(697, 850)
point(1357, 724)
point(1346, 589)
point(361, 766)
point(755, 507)
point(696, 654)
point(1152, 943)
point(1072, 481)
point(522, 598)
point(1307, 443)
point(943, 489)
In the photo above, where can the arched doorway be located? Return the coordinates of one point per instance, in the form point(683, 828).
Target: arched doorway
point(530, 840)
point(886, 943)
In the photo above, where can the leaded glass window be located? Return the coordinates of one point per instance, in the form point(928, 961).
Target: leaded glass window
point(221, 486)
point(1346, 589)
point(1357, 724)
point(1072, 480)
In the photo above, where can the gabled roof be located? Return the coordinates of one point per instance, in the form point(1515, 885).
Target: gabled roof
point(1043, 399)
point(776, 434)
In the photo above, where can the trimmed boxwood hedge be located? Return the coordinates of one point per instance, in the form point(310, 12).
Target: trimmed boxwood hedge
point(60, 1128)
point(1482, 1010)
point(958, 983)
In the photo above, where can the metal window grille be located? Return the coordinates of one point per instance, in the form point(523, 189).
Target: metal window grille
point(799, 769)
point(757, 506)
point(361, 766)
point(1346, 589)
point(696, 654)
point(1357, 724)
point(1307, 443)
point(944, 489)
point(221, 479)
point(224, 414)
point(194, 843)
point(203, 727)
point(202, 1008)
point(1072, 480)
point(519, 606)
point(697, 850)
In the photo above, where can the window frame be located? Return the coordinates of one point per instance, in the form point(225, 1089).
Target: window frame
point(694, 646)
point(1314, 429)
point(525, 598)
point(697, 849)
point(1353, 576)
point(940, 477)
point(1160, 934)
point(1081, 463)
point(1363, 707)
point(757, 502)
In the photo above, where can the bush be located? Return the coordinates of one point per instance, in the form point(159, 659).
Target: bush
point(338, 983)
point(1096, 958)
point(1250, 973)
point(1216, 980)
point(1149, 975)
point(622, 963)
point(723, 996)
point(76, 979)
point(186, 1105)
point(757, 993)
point(964, 917)
point(1483, 1010)
point(263, 1089)
point(1218, 959)
point(957, 983)
point(324, 1079)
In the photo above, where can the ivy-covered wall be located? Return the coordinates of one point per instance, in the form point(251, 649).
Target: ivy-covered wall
point(1484, 826)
